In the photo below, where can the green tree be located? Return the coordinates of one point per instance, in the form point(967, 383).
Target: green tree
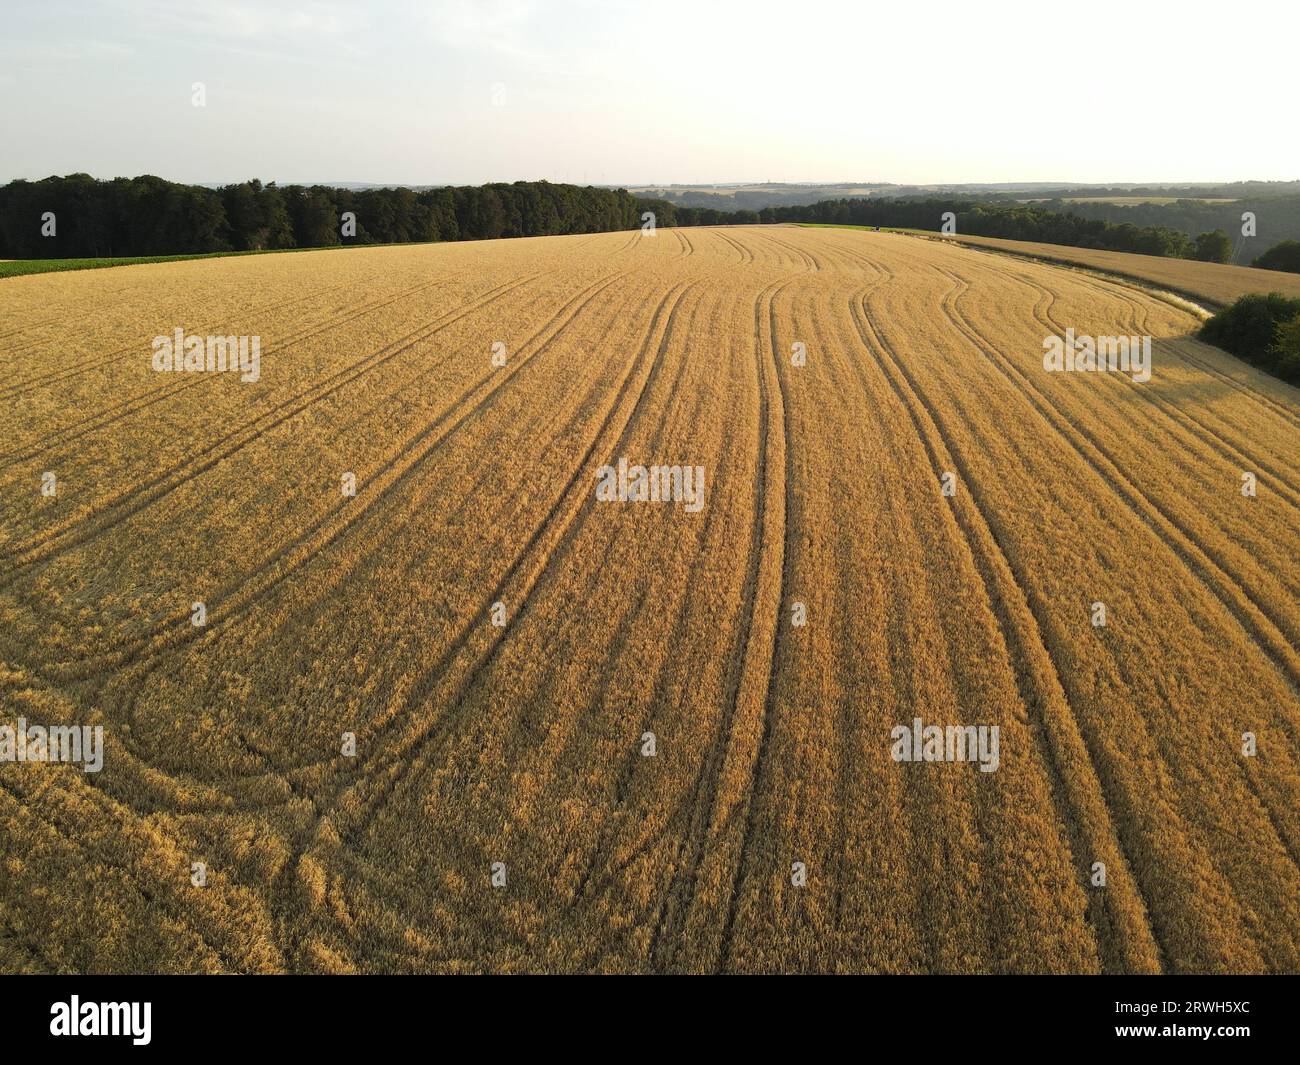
point(1283, 256)
point(1212, 247)
point(316, 221)
point(1286, 350)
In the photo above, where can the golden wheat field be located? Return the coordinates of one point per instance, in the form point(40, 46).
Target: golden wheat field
point(590, 734)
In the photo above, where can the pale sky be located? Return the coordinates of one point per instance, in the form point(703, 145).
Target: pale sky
point(615, 92)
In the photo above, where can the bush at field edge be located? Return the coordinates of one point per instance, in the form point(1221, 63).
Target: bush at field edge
point(1264, 330)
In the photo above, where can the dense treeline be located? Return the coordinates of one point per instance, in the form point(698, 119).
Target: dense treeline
point(79, 217)
point(1263, 329)
point(1275, 217)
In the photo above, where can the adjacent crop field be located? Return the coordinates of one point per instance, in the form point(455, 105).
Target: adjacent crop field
point(1212, 283)
point(622, 735)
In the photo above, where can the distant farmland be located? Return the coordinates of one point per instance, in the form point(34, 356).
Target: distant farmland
point(590, 733)
point(1130, 201)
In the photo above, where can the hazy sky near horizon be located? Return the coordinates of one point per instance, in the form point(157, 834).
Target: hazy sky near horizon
point(609, 91)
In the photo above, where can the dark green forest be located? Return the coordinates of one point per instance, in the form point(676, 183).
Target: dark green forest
point(150, 216)
point(77, 216)
point(1277, 218)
